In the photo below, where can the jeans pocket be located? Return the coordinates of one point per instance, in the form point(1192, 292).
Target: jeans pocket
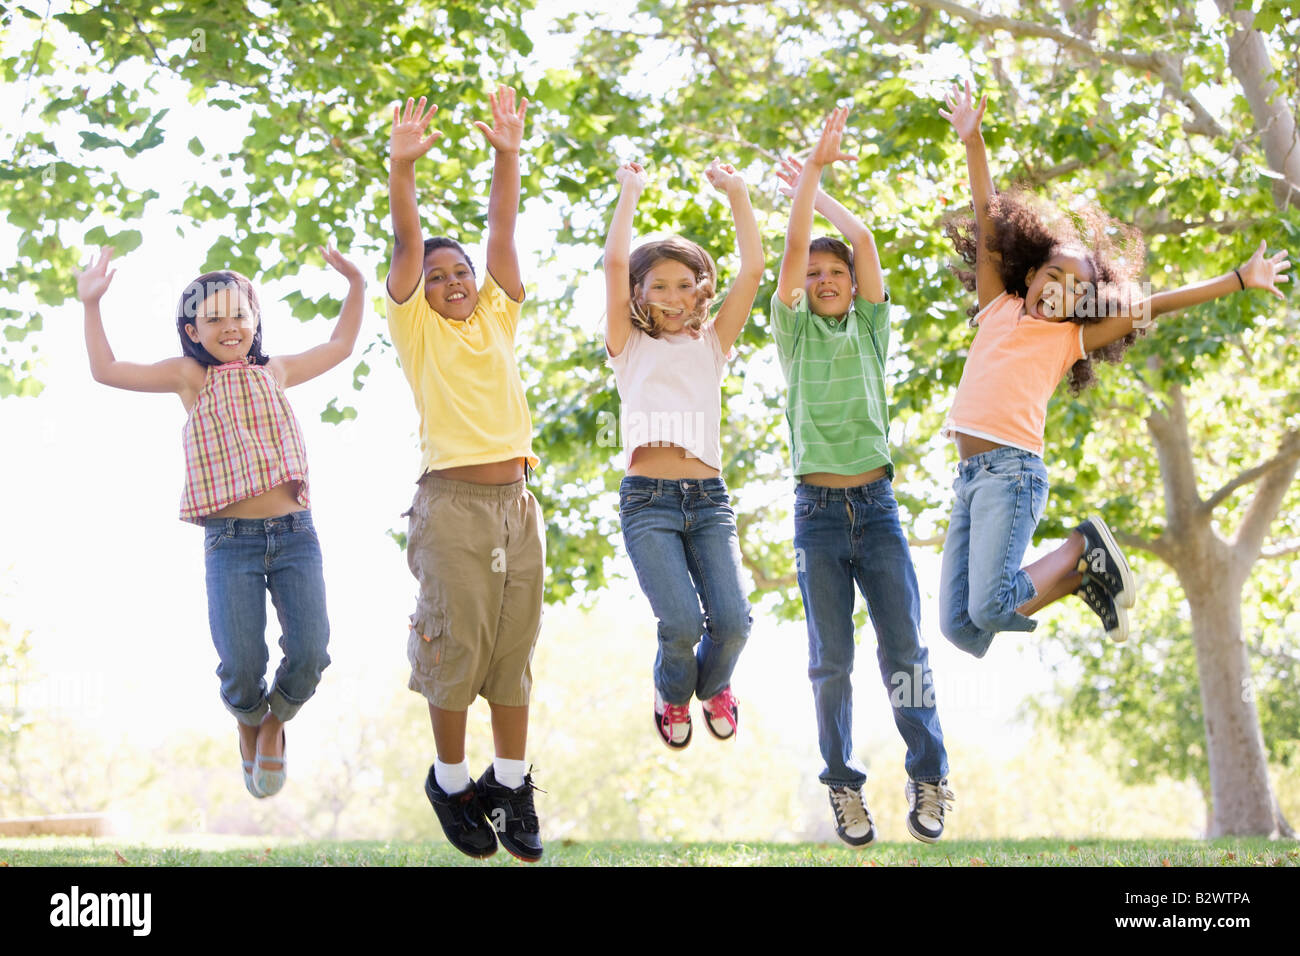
point(632, 502)
point(1038, 496)
point(213, 538)
point(803, 508)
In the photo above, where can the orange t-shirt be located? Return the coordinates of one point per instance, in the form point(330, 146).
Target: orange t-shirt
point(1014, 366)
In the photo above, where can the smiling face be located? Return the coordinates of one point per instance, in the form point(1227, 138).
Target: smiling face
point(669, 294)
point(225, 324)
point(828, 284)
point(449, 284)
point(1058, 286)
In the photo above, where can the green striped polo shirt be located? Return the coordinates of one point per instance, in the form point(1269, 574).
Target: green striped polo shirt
point(835, 396)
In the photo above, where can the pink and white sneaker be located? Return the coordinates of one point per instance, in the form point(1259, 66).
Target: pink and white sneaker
point(722, 714)
point(673, 722)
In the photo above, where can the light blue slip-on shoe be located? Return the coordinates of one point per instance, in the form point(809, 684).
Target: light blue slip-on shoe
point(249, 782)
point(269, 782)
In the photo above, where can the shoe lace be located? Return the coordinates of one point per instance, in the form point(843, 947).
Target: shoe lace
point(932, 799)
point(849, 807)
point(521, 802)
point(722, 706)
point(674, 714)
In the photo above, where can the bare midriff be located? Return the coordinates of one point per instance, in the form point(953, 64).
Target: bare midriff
point(825, 479)
point(489, 473)
point(968, 445)
point(668, 461)
point(280, 500)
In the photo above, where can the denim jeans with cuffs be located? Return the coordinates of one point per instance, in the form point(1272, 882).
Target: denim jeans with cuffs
point(1000, 496)
point(245, 559)
point(681, 537)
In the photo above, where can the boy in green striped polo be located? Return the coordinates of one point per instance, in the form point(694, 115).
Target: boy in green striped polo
point(830, 319)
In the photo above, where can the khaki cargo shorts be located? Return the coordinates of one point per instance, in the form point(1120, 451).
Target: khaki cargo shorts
point(479, 553)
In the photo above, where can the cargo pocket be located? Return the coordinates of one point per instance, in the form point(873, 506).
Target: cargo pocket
point(427, 643)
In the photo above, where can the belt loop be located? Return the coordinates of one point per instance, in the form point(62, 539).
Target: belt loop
point(825, 495)
point(659, 486)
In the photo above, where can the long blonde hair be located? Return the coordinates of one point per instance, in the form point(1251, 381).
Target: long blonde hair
point(647, 256)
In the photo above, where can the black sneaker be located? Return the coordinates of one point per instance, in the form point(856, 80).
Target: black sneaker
point(511, 813)
point(462, 818)
point(1104, 562)
point(926, 804)
point(1113, 616)
point(853, 823)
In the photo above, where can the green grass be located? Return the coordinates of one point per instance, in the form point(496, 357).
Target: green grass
point(252, 851)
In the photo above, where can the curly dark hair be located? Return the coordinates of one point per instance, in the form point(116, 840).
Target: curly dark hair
point(1027, 232)
point(645, 257)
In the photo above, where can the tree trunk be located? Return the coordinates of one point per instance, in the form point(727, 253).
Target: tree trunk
point(1250, 64)
point(1241, 798)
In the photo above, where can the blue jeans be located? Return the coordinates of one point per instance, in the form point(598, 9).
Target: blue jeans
point(1000, 498)
point(681, 537)
point(245, 558)
point(843, 535)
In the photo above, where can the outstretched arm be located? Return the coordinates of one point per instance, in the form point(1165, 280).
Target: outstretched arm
point(407, 143)
point(965, 116)
point(618, 249)
point(869, 276)
point(506, 135)
point(739, 301)
point(798, 235)
point(295, 369)
point(179, 375)
point(1260, 271)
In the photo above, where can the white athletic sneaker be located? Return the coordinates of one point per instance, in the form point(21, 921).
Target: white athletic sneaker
point(853, 823)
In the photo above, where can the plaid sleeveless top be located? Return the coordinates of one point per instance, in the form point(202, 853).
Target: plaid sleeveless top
point(241, 440)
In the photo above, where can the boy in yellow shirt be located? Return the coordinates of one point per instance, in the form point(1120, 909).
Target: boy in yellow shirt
point(477, 540)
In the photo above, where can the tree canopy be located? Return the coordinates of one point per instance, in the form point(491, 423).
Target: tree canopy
point(1177, 119)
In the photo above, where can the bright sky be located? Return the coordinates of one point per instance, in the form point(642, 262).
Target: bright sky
point(97, 565)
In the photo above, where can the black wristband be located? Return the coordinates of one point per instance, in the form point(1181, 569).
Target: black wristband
point(1240, 279)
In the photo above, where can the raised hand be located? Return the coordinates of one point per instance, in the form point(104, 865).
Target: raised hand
point(788, 170)
point(1265, 272)
point(632, 174)
point(723, 176)
point(507, 130)
point(341, 264)
point(95, 280)
point(828, 150)
point(963, 113)
point(407, 141)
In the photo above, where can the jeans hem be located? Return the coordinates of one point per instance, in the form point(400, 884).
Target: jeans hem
point(853, 782)
point(282, 707)
point(250, 717)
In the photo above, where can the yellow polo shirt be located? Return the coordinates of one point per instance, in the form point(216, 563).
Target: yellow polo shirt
point(465, 379)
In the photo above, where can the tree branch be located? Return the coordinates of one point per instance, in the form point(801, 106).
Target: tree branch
point(1250, 63)
point(1292, 548)
point(1166, 67)
point(1157, 546)
point(1168, 429)
point(1287, 453)
point(1037, 177)
point(1180, 226)
point(1264, 507)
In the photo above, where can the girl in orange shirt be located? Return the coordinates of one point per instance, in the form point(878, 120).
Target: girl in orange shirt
point(1053, 296)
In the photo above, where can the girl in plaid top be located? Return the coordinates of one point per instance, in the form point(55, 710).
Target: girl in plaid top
point(246, 483)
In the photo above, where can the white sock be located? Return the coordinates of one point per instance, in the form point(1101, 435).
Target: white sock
point(452, 777)
point(509, 773)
